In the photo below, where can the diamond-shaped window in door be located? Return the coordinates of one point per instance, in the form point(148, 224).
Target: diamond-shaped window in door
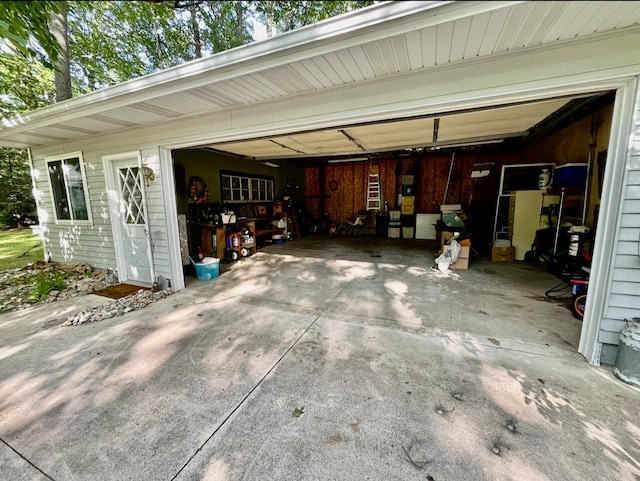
point(132, 197)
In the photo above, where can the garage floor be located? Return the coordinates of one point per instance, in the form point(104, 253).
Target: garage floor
point(393, 283)
point(314, 360)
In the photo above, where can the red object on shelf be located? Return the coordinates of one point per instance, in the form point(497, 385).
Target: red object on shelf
point(200, 254)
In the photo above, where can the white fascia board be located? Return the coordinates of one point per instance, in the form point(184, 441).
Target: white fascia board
point(324, 37)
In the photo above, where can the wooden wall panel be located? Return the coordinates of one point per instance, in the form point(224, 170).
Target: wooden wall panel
point(360, 178)
point(312, 191)
point(431, 175)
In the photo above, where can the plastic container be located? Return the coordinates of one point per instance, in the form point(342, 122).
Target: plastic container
point(394, 232)
point(208, 269)
point(278, 239)
point(407, 232)
point(569, 175)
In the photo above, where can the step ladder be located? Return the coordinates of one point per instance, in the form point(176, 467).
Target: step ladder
point(373, 189)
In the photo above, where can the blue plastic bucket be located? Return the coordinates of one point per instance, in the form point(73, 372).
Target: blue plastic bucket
point(208, 271)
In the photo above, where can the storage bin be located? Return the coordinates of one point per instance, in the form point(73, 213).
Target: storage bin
point(394, 232)
point(394, 215)
point(209, 270)
point(407, 232)
point(569, 175)
point(408, 200)
point(408, 209)
point(278, 239)
point(407, 179)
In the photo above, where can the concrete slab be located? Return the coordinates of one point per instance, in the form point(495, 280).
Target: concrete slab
point(304, 364)
point(360, 402)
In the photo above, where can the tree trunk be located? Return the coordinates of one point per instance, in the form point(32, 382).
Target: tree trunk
point(269, 19)
point(60, 31)
point(240, 24)
point(197, 42)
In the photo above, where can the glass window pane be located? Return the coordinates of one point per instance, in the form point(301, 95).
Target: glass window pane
point(226, 182)
point(76, 189)
point(60, 200)
point(226, 194)
point(235, 182)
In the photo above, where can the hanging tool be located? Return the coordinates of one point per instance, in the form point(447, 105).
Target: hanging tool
point(446, 192)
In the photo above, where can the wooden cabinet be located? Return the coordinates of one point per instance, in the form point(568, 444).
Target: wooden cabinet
point(214, 238)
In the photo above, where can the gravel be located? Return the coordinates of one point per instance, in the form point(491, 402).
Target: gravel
point(118, 307)
point(18, 288)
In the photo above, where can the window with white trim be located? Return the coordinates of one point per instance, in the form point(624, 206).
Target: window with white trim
point(246, 188)
point(69, 187)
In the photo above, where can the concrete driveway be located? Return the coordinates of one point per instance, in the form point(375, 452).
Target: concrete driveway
point(318, 359)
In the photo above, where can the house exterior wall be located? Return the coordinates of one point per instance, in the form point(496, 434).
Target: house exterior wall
point(93, 244)
point(624, 295)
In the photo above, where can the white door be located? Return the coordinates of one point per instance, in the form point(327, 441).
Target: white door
point(129, 218)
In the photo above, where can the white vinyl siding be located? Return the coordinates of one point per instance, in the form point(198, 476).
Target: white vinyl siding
point(93, 244)
point(624, 297)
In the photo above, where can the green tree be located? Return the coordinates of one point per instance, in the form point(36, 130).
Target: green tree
point(25, 85)
point(290, 15)
point(25, 27)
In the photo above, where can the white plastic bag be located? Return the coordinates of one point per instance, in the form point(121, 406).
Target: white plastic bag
point(448, 257)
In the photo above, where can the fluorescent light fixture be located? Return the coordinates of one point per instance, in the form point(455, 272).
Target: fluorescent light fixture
point(267, 163)
point(348, 159)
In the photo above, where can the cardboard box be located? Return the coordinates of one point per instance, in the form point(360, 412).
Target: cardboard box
point(463, 258)
point(408, 200)
point(408, 209)
point(407, 179)
point(446, 208)
point(442, 237)
point(503, 254)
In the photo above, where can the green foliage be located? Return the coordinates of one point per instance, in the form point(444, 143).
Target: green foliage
point(47, 282)
point(22, 21)
point(25, 85)
point(290, 15)
point(16, 199)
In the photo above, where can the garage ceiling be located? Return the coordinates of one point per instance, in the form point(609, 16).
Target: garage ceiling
point(466, 128)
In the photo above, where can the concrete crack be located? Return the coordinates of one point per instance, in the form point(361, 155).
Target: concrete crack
point(26, 460)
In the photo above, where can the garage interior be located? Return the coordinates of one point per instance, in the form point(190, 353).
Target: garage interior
point(487, 165)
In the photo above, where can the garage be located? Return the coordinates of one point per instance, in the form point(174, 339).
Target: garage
point(461, 104)
point(482, 164)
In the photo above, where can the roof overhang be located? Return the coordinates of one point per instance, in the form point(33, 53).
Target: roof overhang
point(383, 41)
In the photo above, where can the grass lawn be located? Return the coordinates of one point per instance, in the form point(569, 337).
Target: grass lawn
point(18, 248)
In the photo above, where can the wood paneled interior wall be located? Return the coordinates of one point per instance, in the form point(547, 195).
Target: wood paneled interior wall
point(431, 173)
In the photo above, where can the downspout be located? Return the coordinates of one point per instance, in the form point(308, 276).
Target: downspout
point(33, 194)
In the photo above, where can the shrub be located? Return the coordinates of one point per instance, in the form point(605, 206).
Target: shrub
point(44, 284)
